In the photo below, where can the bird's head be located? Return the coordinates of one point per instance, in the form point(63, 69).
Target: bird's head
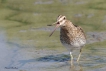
point(59, 23)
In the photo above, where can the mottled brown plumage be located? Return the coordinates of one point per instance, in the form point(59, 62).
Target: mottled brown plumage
point(71, 36)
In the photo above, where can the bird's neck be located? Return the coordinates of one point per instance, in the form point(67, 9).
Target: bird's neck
point(68, 26)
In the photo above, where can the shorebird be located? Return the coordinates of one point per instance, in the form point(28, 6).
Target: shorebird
point(71, 36)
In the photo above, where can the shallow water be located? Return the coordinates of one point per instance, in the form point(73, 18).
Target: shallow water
point(24, 41)
point(14, 56)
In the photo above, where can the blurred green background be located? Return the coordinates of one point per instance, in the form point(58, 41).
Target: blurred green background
point(26, 20)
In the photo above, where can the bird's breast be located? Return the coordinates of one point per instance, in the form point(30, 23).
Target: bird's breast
point(70, 40)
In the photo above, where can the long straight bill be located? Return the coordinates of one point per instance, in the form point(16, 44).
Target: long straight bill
point(51, 24)
point(54, 29)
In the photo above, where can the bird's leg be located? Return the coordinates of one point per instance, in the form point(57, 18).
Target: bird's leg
point(79, 56)
point(71, 58)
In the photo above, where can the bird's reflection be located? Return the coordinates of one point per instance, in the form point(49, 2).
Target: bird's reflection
point(76, 68)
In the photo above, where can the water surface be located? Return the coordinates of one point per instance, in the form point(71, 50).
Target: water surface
point(24, 37)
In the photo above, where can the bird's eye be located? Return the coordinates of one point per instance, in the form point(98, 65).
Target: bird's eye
point(64, 18)
point(58, 23)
